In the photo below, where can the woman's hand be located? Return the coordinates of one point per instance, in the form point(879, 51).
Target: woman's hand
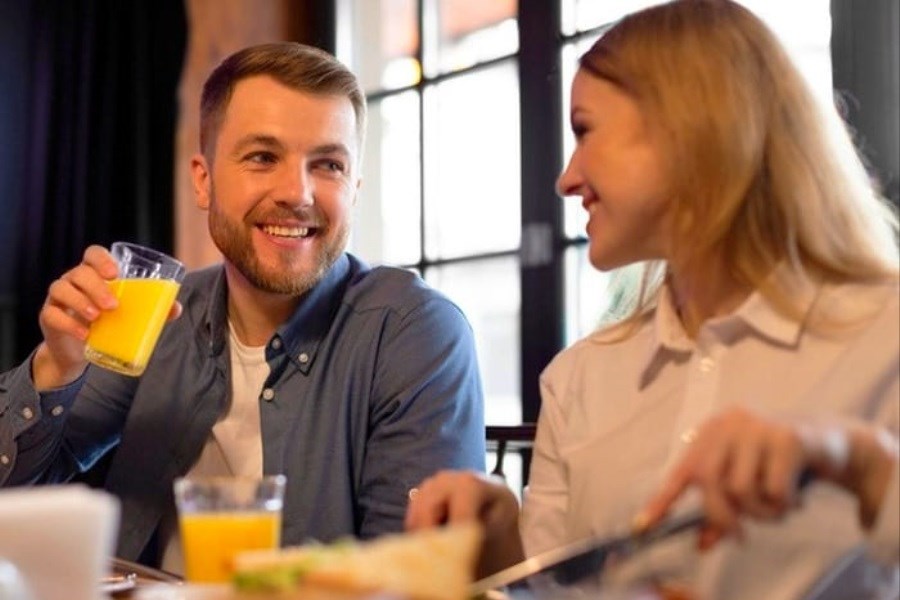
point(460, 496)
point(747, 464)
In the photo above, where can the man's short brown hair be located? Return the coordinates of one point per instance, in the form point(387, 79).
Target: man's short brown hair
point(303, 68)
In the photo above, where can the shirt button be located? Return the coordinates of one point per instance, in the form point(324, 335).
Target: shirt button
point(268, 394)
point(27, 413)
point(303, 358)
point(57, 410)
point(707, 365)
point(4, 459)
point(688, 435)
point(276, 344)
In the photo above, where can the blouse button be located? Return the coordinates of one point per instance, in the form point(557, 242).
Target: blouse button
point(268, 394)
point(4, 459)
point(57, 410)
point(27, 413)
point(276, 344)
point(303, 358)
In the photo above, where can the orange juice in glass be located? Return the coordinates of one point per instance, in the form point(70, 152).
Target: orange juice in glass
point(123, 339)
point(222, 516)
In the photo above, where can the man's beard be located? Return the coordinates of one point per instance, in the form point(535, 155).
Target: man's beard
point(234, 242)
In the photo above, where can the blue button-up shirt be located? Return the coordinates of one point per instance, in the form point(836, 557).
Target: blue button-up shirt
point(374, 386)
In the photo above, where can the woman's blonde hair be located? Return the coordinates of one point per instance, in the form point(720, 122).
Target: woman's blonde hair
point(762, 175)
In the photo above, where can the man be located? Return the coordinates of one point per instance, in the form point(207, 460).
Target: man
point(291, 357)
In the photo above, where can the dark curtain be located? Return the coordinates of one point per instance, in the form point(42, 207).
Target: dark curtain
point(99, 165)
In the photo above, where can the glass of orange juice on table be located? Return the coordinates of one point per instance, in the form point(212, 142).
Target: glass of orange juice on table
point(220, 517)
point(122, 339)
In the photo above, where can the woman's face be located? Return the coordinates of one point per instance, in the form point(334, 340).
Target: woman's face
point(618, 170)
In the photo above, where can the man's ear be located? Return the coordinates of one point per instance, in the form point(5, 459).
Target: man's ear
point(201, 179)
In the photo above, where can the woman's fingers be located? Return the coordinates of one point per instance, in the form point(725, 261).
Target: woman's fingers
point(742, 464)
point(752, 484)
point(712, 456)
point(786, 457)
point(679, 479)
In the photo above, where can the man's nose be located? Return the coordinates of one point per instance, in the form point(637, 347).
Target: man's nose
point(294, 186)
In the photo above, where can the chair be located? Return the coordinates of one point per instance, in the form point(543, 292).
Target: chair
point(501, 438)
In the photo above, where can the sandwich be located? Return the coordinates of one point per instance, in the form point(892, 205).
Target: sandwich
point(435, 564)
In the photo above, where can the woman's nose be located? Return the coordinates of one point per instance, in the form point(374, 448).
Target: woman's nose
point(568, 182)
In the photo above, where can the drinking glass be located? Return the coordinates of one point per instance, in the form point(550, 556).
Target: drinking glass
point(122, 339)
point(221, 516)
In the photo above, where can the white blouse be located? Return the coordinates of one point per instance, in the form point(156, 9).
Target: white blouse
point(616, 414)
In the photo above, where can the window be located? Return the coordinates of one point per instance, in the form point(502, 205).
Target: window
point(441, 171)
point(467, 134)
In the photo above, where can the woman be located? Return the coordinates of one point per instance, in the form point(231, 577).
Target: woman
point(769, 346)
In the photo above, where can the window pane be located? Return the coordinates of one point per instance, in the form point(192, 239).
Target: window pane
point(472, 163)
point(805, 30)
point(381, 43)
point(487, 291)
point(582, 15)
point(462, 33)
point(586, 294)
point(387, 212)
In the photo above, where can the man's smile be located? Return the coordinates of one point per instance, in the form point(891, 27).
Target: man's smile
point(291, 232)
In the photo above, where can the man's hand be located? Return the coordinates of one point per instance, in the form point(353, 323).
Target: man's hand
point(460, 496)
point(74, 301)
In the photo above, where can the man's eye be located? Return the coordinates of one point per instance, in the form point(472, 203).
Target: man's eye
point(333, 166)
point(262, 158)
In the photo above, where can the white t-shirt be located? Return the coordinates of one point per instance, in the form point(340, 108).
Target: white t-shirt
point(235, 445)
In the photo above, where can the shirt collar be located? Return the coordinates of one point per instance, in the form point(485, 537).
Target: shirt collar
point(756, 314)
point(301, 334)
point(217, 314)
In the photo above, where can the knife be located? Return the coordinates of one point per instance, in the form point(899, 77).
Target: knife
point(571, 563)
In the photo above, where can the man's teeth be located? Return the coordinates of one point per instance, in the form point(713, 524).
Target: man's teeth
point(288, 232)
